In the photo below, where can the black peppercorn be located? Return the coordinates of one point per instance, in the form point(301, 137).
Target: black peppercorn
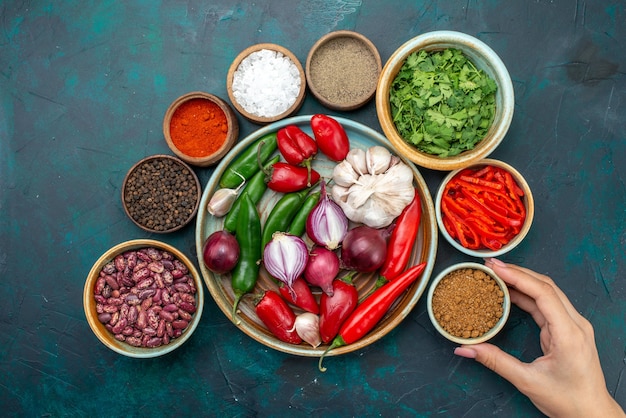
point(160, 194)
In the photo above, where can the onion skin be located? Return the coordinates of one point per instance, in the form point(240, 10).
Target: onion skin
point(220, 252)
point(326, 224)
point(285, 258)
point(364, 248)
point(322, 268)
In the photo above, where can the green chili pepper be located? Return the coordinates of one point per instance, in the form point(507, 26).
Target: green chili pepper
point(247, 164)
point(282, 213)
point(255, 188)
point(248, 236)
point(298, 224)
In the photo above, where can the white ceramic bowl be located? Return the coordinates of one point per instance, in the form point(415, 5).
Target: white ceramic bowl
point(528, 204)
point(506, 306)
point(484, 58)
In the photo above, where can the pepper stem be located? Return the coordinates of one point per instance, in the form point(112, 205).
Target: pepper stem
point(258, 159)
point(235, 305)
point(337, 342)
point(380, 282)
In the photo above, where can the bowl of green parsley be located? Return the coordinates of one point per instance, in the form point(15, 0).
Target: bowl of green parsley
point(445, 100)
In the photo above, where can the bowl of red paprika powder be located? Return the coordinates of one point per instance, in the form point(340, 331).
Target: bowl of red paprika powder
point(200, 128)
point(485, 209)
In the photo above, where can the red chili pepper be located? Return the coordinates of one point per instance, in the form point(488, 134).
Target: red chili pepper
point(304, 296)
point(402, 239)
point(286, 178)
point(295, 145)
point(277, 316)
point(368, 313)
point(330, 136)
point(335, 309)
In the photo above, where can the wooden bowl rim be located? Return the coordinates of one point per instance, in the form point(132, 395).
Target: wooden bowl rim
point(263, 120)
point(470, 46)
point(231, 136)
point(177, 160)
point(331, 36)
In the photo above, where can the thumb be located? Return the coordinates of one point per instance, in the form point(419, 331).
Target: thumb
point(497, 360)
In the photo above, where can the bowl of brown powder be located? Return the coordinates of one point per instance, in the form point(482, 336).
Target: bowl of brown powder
point(468, 303)
point(342, 70)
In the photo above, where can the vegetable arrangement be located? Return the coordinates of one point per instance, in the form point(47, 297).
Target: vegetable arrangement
point(483, 209)
point(441, 103)
point(310, 248)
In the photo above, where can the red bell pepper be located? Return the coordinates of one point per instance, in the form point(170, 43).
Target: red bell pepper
point(286, 178)
point(402, 239)
point(303, 295)
point(277, 316)
point(330, 136)
point(369, 312)
point(295, 145)
point(335, 309)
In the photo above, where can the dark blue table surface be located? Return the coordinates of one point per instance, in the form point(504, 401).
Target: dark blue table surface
point(83, 89)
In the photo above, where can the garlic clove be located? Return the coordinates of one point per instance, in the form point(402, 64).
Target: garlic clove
point(307, 326)
point(344, 174)
point(221, 202)
point(377, 159)
point(356, 158)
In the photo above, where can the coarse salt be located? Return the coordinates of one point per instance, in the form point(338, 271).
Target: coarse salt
point(266, 83)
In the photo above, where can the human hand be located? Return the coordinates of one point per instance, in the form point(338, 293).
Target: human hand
point(567, 381)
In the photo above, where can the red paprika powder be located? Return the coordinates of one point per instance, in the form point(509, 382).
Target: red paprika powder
point(198, 127)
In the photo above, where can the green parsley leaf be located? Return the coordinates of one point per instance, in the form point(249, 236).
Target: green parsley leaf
point(441, 103)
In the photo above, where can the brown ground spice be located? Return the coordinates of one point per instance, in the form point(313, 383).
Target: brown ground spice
point(467, 303)
point(344, 71)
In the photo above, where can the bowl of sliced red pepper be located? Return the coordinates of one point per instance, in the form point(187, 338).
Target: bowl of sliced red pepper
point(485, 209)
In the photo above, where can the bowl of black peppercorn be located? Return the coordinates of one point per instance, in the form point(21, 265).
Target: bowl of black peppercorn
point(161, 194)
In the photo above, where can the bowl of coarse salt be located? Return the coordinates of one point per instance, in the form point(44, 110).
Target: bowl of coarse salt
point(266, 83)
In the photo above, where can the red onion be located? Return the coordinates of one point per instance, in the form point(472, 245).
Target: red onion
point(364, 248)
point(285, 258)
point(220, 252)
point(327, 225)
point(322, 269)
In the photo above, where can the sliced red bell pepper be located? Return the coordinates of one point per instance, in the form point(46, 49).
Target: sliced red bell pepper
point(483, 208)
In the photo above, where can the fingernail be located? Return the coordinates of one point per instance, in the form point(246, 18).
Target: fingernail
point(495, 262)
point(465, 352)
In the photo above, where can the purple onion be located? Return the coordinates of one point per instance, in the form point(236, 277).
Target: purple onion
point(285, 258)
point(364, 248)
point(327, 224)
point(322, 268)
point(220, 252)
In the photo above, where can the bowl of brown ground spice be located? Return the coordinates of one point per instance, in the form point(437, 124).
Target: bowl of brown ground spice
point(342, 70)
point(468, 303)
